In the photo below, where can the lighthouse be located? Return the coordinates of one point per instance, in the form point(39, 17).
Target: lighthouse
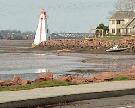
point(42, 30)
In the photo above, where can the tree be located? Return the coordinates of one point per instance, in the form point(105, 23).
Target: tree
point(102, 27)
point(125, 5)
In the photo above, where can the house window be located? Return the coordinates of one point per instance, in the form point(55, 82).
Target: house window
point(129, 30)
point(118, 21)
point(113, 21)
point(118, 31)
point(113, 30)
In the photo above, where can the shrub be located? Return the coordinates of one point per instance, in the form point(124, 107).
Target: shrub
point(120, 78)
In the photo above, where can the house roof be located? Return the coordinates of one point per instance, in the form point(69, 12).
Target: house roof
point(120, 15)
point(131, 23)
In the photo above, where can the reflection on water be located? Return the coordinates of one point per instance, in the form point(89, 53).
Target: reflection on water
point(30, 64)
point(41, 70)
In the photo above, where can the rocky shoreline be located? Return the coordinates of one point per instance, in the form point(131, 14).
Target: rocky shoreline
point(92, 45)
point(73, 45)
point(72, 79)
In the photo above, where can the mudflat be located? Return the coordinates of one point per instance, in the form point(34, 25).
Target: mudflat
point(12, 46)
point(18, 57)
point(25, 46)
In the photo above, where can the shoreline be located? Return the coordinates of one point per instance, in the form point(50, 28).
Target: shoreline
point(48, 79)
point(88, 46)
point(31, 50)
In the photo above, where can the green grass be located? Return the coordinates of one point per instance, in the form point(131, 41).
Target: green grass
point(113, 37)
point(33, 85)
point(121, 78)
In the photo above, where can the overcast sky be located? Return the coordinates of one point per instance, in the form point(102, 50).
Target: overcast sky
point(63, 15)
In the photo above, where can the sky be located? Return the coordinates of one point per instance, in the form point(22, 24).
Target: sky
point(63, 15)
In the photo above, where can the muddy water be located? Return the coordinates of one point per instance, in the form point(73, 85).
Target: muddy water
point(30, 64)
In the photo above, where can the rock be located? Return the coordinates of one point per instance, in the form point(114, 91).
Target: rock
point(7, 83)
point(98, 81)
point(129, 74)
point(93, 79)
point(104, 76)
point(65, 78)
point(75, 79)
point(79, 79)
point(24, 82)
point(16, 80)
point(45, 76)
point(2, 82)
point(132, 69)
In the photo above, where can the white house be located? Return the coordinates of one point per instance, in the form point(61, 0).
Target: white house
point(122, 23)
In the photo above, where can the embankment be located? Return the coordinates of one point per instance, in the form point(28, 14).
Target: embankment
point(93, 45)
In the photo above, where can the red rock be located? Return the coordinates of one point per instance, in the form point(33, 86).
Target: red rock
point(7, 83)
point(1, 82)
point(104, 76)
point(16, 80)
point(24, 82)
point(129, 74)
point(75, 79)
point(95, 43)
point(65, 78)
point(79, 81)
point(93, 79)
point(45, 76)
point(98, 81)
point(132, 69)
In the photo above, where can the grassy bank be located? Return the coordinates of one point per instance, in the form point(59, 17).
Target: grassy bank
point(121, 78)
point(43, 84)
point(51, 83)
point(114, 37)
point(111, 38)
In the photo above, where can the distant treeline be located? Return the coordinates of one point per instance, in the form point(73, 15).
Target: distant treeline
point(16, 35)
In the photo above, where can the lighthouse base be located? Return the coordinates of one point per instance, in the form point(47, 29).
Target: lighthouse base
point(42, 44)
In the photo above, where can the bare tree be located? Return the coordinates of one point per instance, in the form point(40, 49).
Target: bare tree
point(119, 5)
point(125, 5)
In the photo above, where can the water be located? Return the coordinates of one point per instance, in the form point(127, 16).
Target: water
point(30, 64)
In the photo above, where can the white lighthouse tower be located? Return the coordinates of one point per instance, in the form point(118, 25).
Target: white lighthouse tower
point(41, 32)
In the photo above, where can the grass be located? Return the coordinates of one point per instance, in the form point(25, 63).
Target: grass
point(121, 78)
point(33, 85)
point(51, 83)
point(113, 37)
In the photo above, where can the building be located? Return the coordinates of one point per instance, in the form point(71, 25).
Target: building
point(122, 23)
